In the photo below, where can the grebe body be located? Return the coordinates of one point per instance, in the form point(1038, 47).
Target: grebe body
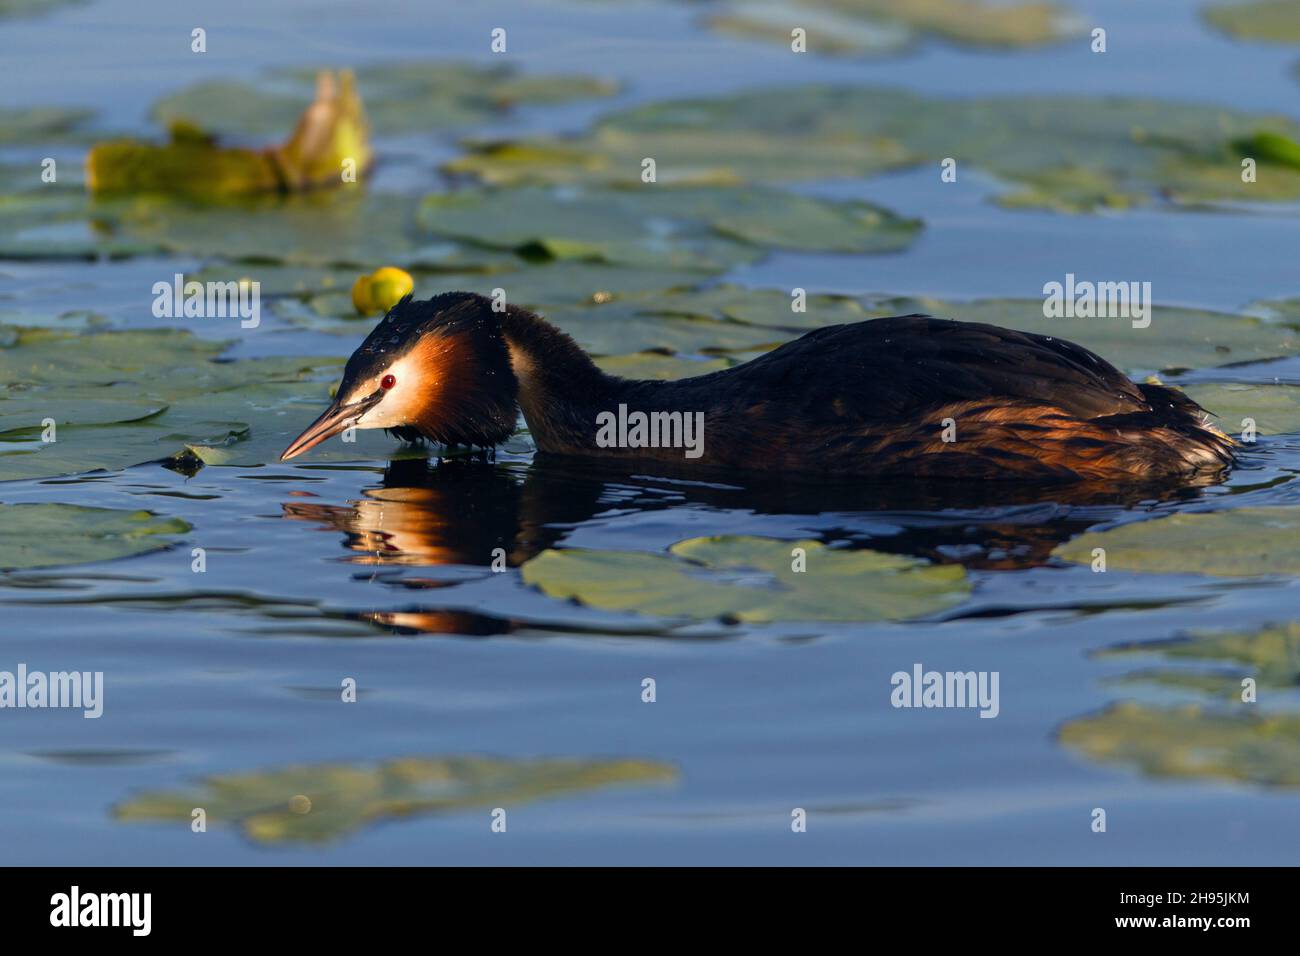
point(908, 396)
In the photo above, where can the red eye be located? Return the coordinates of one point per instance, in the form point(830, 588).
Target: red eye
point(387, 382)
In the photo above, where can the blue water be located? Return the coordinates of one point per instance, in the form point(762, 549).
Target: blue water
point(238, 669)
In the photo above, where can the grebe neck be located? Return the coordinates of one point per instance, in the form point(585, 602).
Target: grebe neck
point(560, 388)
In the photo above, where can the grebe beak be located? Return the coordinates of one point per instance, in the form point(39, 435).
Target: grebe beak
point(335, 419)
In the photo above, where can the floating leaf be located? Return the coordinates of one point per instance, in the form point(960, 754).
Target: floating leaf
point(400, 97)
point(1271, 654)
point(1072, 154)
point(25, 412)
point(269, 807)
point(43, 124)
point(618, 327)
point(657, 365)
point(348, 227)
point(549, 288)
point(703, 228)
point(1269, 21)
point(1208, 684)
point(1271, 148)
point(280, 279)
point(1176, 338)
point(1245, 542)
point(750, 579)
point(129, 397)
point(1192, 741)
point(722, 318)
point(42, 535)
point(1275, 409)
point(766, 307)
point(880, 26)
point(828, 31)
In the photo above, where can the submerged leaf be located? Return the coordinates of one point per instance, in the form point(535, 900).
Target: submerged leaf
point(269, 807)
point(750, 579)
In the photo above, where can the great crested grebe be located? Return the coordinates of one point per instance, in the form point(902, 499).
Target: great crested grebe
point(909, 396)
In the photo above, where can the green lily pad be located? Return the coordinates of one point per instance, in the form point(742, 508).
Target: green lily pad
point(571, 282)
point(1268, 21)
point(269, 807)
point(1202, 683)
point(579, 299)
point(1280, 310)
point(27, 412)
point(1192, 742)
point(275, 279)
point(42, 535)
point(1246, 542)
point(399, 98)
point(43, 124)
point(710, 229)
point(621, 326)
point(1275, 409)
point(57, 221)
point(1271, 654)
point(548, 288)
point(772, 308)
point(884, 26)
point(657, 365)
point(827, 31)
point(340, 227)
point(1177, 338)
point(1073, 154)
point(750, 579)
point(129, 397)
point(720, 319)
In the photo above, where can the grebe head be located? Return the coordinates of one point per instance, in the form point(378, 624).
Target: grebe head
point(437, 368)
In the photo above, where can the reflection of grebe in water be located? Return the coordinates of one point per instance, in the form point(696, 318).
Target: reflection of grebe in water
point(910, 396)
point(459, 512)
